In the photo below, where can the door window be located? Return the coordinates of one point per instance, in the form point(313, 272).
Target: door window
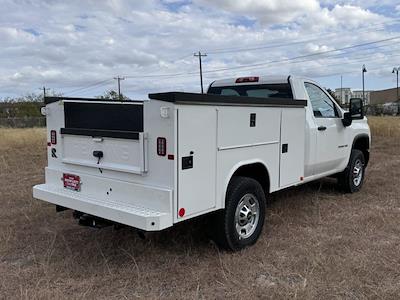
point(323, 106)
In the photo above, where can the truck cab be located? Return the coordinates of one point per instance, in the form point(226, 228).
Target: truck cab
point(328, 139)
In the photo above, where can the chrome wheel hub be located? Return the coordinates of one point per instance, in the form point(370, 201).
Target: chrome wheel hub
point(247, 216)
point(357, 172)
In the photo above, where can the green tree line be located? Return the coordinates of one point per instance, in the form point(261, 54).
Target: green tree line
point(29, 105)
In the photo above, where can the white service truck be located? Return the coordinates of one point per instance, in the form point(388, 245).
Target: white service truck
point(154, 163)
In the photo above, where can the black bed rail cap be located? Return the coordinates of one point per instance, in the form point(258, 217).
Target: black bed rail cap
point(209, 99)
point(48, 100)
point(101, 133)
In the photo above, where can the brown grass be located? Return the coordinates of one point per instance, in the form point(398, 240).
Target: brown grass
point(317, 243)
point(385, 126)
point(16, 138)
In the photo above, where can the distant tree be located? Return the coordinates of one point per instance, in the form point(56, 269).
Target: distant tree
point(31, 97)
point(112, 95)
point(332, 93)
point(23, 106)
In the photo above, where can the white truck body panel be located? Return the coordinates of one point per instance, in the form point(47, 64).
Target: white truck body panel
point(292, 132)
point(197, 138)
point(206, 143)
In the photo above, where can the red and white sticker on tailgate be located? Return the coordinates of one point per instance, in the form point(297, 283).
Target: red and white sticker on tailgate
point(72, 182)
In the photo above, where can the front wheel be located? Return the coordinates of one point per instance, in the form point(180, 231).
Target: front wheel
point(241, 222)
point(352, 178)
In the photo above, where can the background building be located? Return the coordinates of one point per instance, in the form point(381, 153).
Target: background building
point(359, 94)
point(384, 96)
point(345, 94)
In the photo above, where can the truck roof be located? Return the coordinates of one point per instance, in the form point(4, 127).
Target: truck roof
point(261, 80)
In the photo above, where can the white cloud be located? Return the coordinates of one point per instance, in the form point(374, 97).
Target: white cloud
point(354, 16)
point(71, 44)
point(267, 11)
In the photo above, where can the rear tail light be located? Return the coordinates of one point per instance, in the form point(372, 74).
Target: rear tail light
point(53, 137)
point(247, 79)
point(161, 146)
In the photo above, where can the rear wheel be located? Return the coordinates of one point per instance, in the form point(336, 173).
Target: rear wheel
point(240, 223)
point(352, 178)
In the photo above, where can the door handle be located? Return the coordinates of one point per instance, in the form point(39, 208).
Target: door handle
point(321, 128)
point(99, 155)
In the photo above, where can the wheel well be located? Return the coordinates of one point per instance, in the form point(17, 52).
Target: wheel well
point(362, 143)
point(258, 172)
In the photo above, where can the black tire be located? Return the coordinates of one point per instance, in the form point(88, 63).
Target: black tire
point(241, 190)
point(347, 179)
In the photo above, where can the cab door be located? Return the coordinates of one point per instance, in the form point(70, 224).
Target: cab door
point(330, 132)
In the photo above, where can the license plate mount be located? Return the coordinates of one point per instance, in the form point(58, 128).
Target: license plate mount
point(72, 182)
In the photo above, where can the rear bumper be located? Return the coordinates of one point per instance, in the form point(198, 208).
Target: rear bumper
point(129, 211)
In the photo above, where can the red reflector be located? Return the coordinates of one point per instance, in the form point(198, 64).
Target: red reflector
point(161, 146)
point(53, 137)
point(48, 144)
point(247, 79)
point(171, 157)
point(181, 212)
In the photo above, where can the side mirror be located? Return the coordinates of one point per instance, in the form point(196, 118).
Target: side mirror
point(356, 112)
point(356, 109)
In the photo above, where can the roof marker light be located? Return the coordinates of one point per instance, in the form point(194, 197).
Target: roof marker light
point(247, 79)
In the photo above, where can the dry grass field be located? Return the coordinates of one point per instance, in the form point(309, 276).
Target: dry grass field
point(317, 243)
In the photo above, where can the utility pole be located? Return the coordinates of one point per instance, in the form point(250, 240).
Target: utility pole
point(341, 89)
point(44, 91)
point(396, 70)
point(119, 78)
point(199, 55)
point(364, 70)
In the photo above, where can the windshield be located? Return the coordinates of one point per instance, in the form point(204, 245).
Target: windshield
point(260, 91)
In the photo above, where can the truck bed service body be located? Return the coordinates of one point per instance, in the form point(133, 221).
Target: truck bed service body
point(154, 163)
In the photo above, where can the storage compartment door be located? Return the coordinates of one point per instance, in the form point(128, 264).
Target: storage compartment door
point(292, 146)
point(197, 128)
point(121, 155)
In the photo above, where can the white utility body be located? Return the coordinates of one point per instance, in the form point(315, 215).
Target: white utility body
point(150, 164)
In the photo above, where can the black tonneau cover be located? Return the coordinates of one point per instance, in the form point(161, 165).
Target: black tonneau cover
point(207, 99)
point(48, 100)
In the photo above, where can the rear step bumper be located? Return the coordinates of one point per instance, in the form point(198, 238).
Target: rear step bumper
point(128, 214)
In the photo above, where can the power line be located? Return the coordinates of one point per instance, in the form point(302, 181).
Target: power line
point(277, 45)
point(335, 56)
point(244, 67)
point(358, 61)
point(338, 55)
point(251, 66)
point(304, 56)
point(90, 86)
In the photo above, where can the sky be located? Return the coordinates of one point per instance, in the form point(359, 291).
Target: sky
point(77, 47)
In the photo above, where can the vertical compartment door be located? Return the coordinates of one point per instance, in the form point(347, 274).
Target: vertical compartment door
point(292, 146)
point(197, 129)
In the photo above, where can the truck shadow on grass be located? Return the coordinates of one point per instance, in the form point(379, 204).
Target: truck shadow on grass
point(189, 236)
